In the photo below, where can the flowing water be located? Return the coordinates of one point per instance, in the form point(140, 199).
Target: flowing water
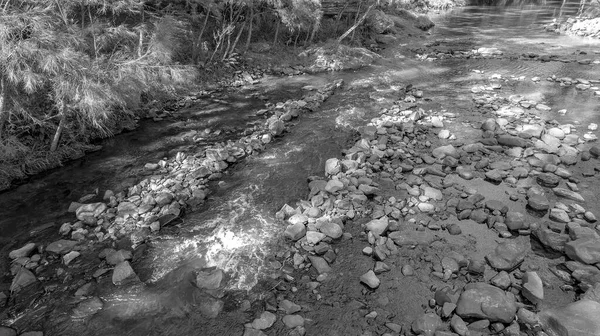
point(237, 230)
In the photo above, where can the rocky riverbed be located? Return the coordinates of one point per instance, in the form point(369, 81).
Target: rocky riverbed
point(461, 211)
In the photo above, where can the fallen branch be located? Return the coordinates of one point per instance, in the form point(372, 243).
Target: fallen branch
point(349, 31)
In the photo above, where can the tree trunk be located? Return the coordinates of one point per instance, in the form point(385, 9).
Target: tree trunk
point(199, 41)
point(276, 32)
point(235, 42)
point(249, 29)
point(61, 127)
point(3, 113)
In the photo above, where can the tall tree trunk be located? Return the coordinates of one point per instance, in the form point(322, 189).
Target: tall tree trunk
point(355, 24)
point(61, 127)
point(199, 41)
point(276, 32)
point(4, 114)
point(249, 29)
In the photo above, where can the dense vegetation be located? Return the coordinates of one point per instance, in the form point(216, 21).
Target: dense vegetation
point(72, 70)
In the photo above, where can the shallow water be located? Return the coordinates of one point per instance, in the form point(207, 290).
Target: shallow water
point(236, 230)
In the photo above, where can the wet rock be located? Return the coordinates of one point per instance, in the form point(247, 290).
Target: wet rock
point(483, 301)
point(24, 251)
point(293, 321)
point(559, 215)
point(265, 321)
point(426, 324)
point(576, 319)
point(61, 246)
point(548, 180)
point(370, 279)
point(23, 279)
point(515, 221)
point(122, 273)
point(92, 210)
point(209, 278)
point(88, 307)
point(568, 194)
point(332, 166)
point(320, 264)
point(585, 250)
point(507, 255)
point(533, 288)
point(295, 232)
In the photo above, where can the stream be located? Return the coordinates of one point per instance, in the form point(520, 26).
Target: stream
point(236, 230)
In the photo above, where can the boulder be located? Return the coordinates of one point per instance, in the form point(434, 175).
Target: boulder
point(585, 250)
point(295, 232)
point(426, 324)
point(92, 210)
point(533, 288)
point(61, 246)
point(378, 226)
point(23, 279)
point(483, 301)
point(576, 319)
point(515, 221)
point(320, 264)
point(123, 273)
point(370, 279)
point(265, 321)
point(24, 251)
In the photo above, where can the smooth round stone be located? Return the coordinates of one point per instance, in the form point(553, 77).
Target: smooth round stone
point(556, 132)
point(454, 229)
point(444, 134)
point(549, 168)
point(515, 221)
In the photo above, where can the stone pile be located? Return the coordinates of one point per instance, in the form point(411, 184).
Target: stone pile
point(518, 149)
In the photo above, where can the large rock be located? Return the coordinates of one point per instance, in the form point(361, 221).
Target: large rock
point(265, 321)
point(6, 331)
point(533, 288)
point(320, 264)
point(576, 319)
point(209, 278)
point(443, 151)
point(379, 22)
point(585, 250)
point(512, 141)
point(515, 220)
point(24, 251)
point(370, 279)
point(507, 255)
point(426, 324)
point(550, 239)
point(295, 232)
point(483, 301)
point(87, 307)
point(332, 166)
point(92, 210)
point(123, 273)
point(378, 226)
point(568, 194)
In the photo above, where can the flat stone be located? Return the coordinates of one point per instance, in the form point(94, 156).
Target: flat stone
point(314, 237)
point(507, 255)
point(370, 279)
point(585, 250)
point(334, 186)
point(576, 319)
point(443, 151)
point(116, 257)
point(289, 307)
point(512, 141)
point(483, 301)
point(550, 239)
point(412, 238)
point(61, 246)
